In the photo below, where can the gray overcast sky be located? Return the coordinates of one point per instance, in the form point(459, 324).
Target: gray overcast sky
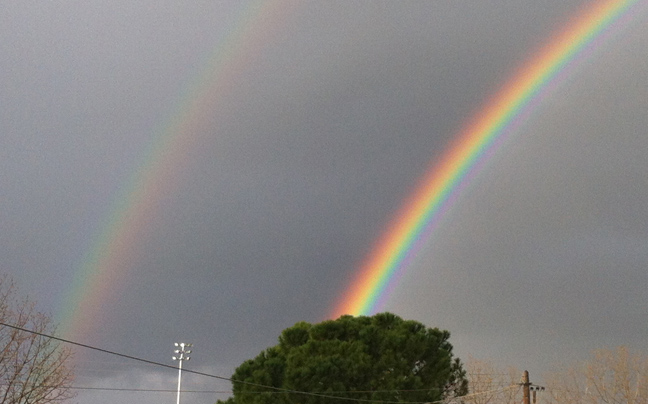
point(300, 166)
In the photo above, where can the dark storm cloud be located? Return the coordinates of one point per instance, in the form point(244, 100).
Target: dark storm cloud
point(550, 239)
point(326, 131)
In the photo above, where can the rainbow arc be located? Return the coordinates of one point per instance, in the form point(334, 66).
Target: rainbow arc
point(105, 265)
point(501, 115)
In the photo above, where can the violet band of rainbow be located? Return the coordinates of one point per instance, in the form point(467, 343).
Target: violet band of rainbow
point(478, 141)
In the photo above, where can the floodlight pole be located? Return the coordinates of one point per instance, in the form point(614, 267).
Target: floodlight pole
point(182, 356)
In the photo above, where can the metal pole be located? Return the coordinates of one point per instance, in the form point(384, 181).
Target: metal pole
point(179, 380)
point(182, 356)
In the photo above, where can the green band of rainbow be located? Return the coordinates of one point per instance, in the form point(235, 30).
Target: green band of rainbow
point(502, 114)
point(113, 252)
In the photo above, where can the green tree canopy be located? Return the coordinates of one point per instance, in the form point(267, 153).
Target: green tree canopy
point(381, 358)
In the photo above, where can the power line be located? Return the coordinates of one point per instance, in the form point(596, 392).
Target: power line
point(148, 390)
point(273, 392)
point(231, 392)
point(150, 362)
point(277, 389)
point(111, 352)
point(491, 391)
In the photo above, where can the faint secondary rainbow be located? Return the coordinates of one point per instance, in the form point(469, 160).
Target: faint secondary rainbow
point(480, 138)
point(113, 251)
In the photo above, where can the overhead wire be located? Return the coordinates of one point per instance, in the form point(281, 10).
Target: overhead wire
point(276, 389)
point(223, 391)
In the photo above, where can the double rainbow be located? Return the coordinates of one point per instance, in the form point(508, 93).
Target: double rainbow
point(502, 114)
point(98, 278)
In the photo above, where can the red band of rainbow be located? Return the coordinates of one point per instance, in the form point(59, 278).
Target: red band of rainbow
point(480, 138)
point(112, 252)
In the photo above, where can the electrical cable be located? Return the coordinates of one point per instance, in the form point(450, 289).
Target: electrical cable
point(150, 362)
point(221, 391)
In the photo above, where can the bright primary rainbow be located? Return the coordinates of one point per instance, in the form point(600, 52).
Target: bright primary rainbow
point(97, 280)
point(501, 115)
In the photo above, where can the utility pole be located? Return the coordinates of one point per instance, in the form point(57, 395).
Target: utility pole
point(182, 356)
point(527, 388)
